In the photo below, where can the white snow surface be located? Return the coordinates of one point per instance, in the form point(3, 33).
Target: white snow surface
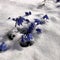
point(47, 44)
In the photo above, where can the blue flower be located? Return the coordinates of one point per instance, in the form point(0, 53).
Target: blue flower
point(39, 21)
point(3, 47)
point(20, 20)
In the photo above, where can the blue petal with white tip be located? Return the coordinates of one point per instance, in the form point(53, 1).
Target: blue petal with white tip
point(27, 37)
point(37, 21)
point(45, 16)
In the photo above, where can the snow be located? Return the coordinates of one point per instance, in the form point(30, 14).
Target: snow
point(47, 44)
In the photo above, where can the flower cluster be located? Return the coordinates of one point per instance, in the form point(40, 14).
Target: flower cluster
point(27, 38)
